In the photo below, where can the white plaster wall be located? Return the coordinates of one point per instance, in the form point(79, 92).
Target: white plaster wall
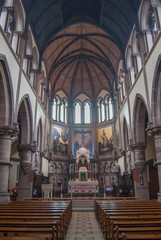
point(26, 89)
point(41, 115)
point(102, 94)
point(61, 94)
point(13, 64)
point(151, 64)
point(124, 113)
point(82, 97)
point(138, 88)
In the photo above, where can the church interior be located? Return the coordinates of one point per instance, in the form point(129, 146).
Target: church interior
point(80, 105)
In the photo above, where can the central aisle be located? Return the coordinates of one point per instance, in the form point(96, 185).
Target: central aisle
point(84, 226)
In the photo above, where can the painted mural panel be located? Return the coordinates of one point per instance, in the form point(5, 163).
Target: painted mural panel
point(83, 137)
point(60, 140)
point(105, 141)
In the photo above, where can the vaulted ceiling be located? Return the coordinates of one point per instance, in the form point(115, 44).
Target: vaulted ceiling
point(81, 41)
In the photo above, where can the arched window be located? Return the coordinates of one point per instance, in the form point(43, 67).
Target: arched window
point(59, 109)
point(102, 109)
point(105, 109)
point(110, 108)
point(62, 111)
point(54, 109)
point(77, 112)
point(87, 112)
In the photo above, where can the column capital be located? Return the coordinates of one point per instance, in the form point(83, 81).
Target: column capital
point(154, 131)
point(9, 131)
point(27, 147)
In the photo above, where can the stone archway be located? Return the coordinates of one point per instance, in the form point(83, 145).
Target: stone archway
point(7, 129)
point(6, 95)
point(140, 120)
point(25, 148)
point(154, 128)
point(25, 121)
point(156, 95)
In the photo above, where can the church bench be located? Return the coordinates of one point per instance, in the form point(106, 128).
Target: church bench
point(43, 216)
point(119, 232)
point(129, 225)
point(25, 238)
point(53, 229)
point(60, 222)
point(118, 214)
point(143, 236)
point(102, 214)
point(8, 231)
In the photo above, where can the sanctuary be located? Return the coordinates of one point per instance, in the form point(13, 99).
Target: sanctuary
point(85, 180)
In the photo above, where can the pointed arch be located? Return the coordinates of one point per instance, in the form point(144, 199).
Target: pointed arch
point(140, 119)
point(39, 135)
point(25, 120)
point(156, 94)
point(6, 94)
point(125, 133)
point(18, 14)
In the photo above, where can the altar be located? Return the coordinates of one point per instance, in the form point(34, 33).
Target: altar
point(83, 186)
point(84, 181)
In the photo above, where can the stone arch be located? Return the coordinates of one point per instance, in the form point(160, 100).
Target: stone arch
point(146, 25)
point(140, 119)
point(25, 120)
point(125, 134)
point(18, 14)
point(39, 135)
point(35, 61)
point(29, 44)
point(6, 94)
point(145, 15)
point(130, 64)
point(136, 52)
point(156, 94)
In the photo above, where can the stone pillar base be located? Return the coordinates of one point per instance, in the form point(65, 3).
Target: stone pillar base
point(141, 186)
point(159, 196)
point(4, 197)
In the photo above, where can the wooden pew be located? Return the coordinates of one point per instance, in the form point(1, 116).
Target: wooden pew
point(24, 238)
point(143, 236)
point(51, 220)
point(117, 217)
point(121, 232)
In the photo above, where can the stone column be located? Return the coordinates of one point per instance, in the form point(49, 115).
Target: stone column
point(141, 185)
point(6, 135)
point(25, 183)
point(156, 133)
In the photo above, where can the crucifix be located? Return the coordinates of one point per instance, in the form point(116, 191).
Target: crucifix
point(83, 132)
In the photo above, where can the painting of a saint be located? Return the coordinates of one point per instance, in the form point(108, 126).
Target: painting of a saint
point(60, 140)
point(105, 140)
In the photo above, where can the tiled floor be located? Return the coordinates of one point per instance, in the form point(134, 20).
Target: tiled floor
point(84, 226)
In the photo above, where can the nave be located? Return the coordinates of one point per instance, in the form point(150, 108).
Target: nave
point(94, 219)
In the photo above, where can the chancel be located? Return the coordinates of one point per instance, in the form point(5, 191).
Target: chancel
point(85, 176)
